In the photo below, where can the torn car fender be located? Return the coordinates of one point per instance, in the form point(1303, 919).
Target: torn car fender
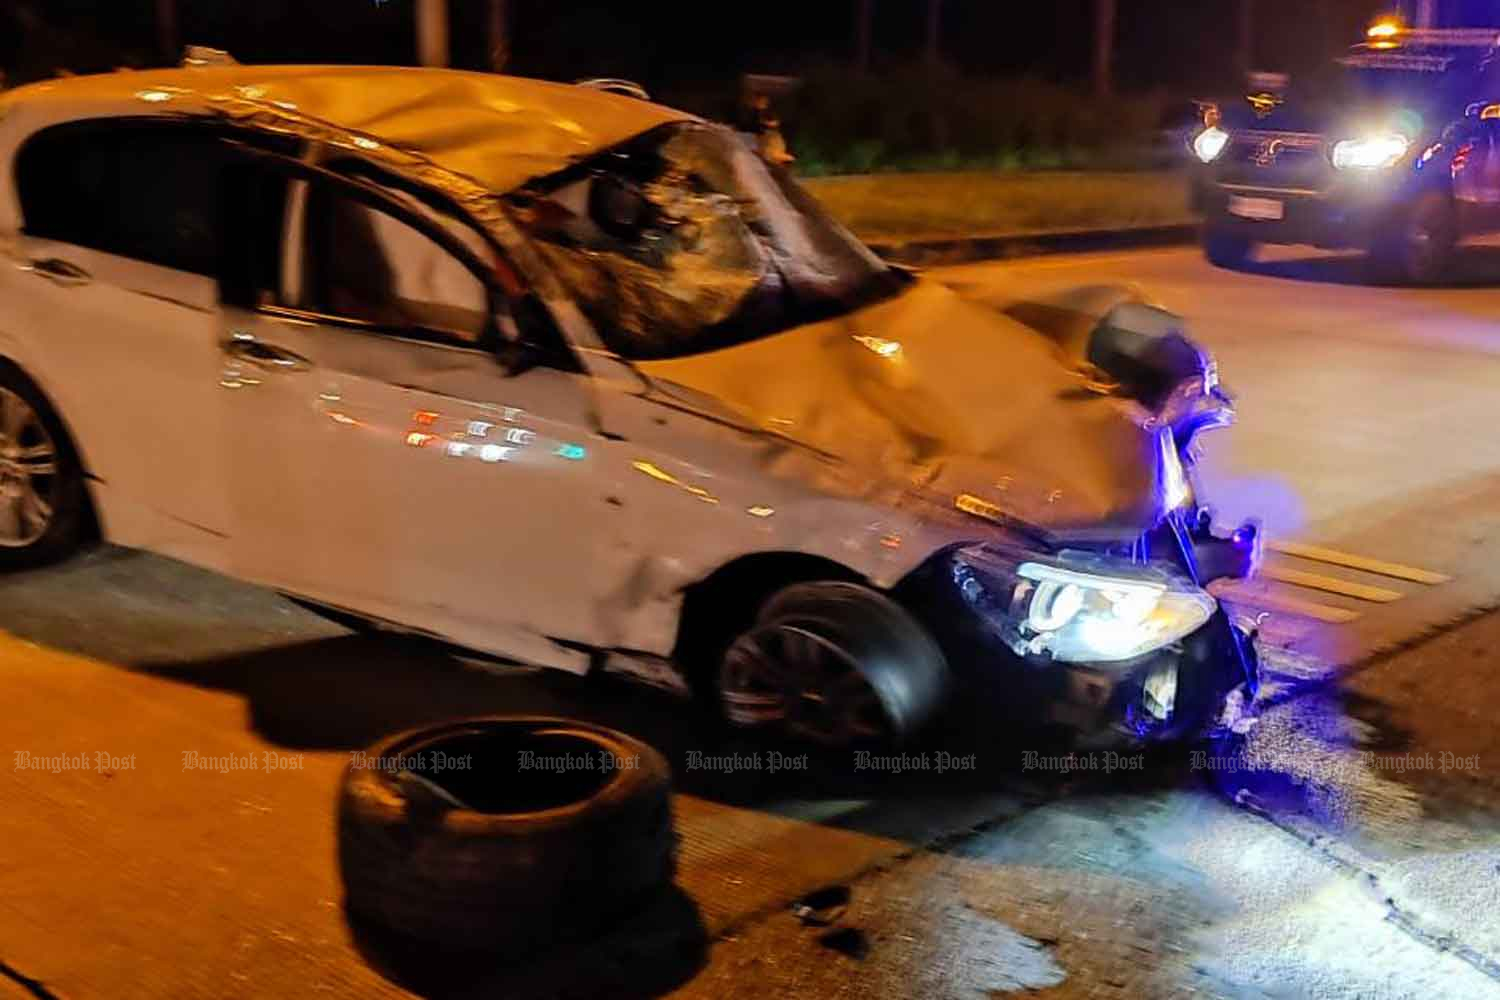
point(686, 495)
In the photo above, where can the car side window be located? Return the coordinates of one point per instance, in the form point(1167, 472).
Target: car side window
point(151, 193)
point(255, 203)
point(368, 266)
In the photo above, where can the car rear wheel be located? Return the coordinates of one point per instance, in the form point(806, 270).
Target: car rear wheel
point(836, 664)
point(1225, 249)
point(1421, 250)
point(42, 495)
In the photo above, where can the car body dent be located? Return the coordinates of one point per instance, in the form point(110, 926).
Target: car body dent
point(950, 400)
point(498, 131)
point(816, 443)
point(691, 495)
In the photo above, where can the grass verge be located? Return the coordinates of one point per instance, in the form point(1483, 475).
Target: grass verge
point(889, 207)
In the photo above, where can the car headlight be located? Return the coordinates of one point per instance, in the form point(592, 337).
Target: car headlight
point(1370, 152)
point(1209, 143)
point(1078, 607)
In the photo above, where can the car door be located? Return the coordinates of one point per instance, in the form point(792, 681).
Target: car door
point(392, 465)
point(117, 305)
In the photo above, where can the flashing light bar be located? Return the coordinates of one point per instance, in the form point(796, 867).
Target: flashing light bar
point(1389, 32)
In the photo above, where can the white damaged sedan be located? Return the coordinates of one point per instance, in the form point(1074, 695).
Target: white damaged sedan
point(572, 378)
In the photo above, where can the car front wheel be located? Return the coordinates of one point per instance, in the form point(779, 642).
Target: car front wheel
point(1421, 248)
point(42, 496)
point(1225, 249)
point(835, 664)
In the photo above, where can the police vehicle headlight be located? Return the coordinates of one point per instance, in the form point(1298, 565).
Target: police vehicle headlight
point(1210, 143)
point(1370, 152)
point(1078, 607)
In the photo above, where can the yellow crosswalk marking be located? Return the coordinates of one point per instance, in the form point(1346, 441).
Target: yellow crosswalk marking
point(1271, 601)
point(1377, 566)
point(1273, 594)
point(1330, 584)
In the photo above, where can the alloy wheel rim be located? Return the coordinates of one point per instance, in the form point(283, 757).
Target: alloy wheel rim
point(788, 675)
point(29, 478)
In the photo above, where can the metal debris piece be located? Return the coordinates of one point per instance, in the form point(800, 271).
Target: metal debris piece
point(822, 907)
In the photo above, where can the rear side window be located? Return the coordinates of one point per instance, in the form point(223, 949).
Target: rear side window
point(149, 192)
point(368, 266)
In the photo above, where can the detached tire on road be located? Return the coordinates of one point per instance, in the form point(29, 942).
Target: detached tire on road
point(553, 831)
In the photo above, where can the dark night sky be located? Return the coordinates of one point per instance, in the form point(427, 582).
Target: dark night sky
point(1178, 44)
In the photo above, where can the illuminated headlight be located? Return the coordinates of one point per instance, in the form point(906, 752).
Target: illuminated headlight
point(1079, 607)
point(1209, 143)
point(1370, 152)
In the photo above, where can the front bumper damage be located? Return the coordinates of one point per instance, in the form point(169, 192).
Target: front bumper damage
point(1176, 692)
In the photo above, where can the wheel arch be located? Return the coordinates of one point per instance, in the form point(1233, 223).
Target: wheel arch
point(725, 602)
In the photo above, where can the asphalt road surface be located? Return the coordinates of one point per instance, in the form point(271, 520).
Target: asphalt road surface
point(1350, 851)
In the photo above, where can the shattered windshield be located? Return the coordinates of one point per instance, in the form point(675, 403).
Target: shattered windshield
point(686, 241)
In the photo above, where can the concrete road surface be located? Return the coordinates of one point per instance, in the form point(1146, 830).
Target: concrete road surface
point(1348, 849)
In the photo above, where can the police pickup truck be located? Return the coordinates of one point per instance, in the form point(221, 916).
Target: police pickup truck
point(1395, 151)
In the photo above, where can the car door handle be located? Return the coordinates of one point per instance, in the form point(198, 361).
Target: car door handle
point(58, 271)
point(267, 357)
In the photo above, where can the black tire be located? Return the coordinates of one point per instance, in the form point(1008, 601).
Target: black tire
point(836, 664)
point(499, 857)
point(65, 525)
point(1420, 251)
point(1225, 249)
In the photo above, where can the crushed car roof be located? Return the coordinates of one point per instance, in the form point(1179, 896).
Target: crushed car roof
point(498, 131)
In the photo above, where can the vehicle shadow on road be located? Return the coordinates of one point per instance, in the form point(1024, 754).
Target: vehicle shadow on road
point(658, 949)
point(343, 693)
point(309, 685)
point(1474, 267)
point(312, 686)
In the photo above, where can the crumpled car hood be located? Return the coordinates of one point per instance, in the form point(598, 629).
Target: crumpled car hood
point(958, 403)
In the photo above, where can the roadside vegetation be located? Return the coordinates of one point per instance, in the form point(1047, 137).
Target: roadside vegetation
point(917, 152)
point(905, 120)
point(884, 207)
